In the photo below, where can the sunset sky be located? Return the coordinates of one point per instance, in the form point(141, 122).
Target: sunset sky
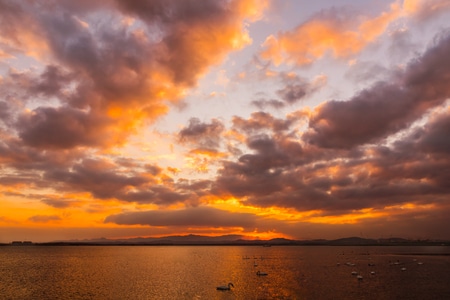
point(296, 119)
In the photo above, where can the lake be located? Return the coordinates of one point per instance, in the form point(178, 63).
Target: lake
point(194, 272)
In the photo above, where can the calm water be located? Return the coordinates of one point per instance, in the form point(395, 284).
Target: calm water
point(192, 272)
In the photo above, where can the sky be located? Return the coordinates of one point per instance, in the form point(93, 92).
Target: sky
point(266, 119)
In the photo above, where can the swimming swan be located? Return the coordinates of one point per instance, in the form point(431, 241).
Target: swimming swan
point(225, 287)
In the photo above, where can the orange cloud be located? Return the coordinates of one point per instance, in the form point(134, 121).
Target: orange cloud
point(351, 218)
point(323, 34)
point(201, 160)
point(26, 39)
point(4, 55)
point(424, 9)
point(208, 152)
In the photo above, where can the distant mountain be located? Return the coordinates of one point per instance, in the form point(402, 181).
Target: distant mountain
point(394, 240)
point(353, 241)
point(192, 239)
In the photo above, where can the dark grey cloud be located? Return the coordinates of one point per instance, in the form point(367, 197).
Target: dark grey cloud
point(371, 115)
point(188, 217)
point(338, 182)
point(61, 128)
point(157, 194)
point(59, 203)
point(255, 174)
point(262, 103)
point(386, 107)
point(259, 122)
point(199, 187)
point(206, 135)
point(22, 89)
point(434, 138)
point(51, 82)
point(99, 178)
point(104, 179)
point(4, 112)
point(153, 169)
point(15, 154)
point(293, 89)
point(172, 11)
point(296, 88)
point(426, 151)
point(182, 191)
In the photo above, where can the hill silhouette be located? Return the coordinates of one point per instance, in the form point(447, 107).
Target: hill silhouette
point(192, 239)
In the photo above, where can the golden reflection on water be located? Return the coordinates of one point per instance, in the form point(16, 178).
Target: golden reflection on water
point(194, 272)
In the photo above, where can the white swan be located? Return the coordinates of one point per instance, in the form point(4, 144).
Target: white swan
point(225, 287)
point(259, 273)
